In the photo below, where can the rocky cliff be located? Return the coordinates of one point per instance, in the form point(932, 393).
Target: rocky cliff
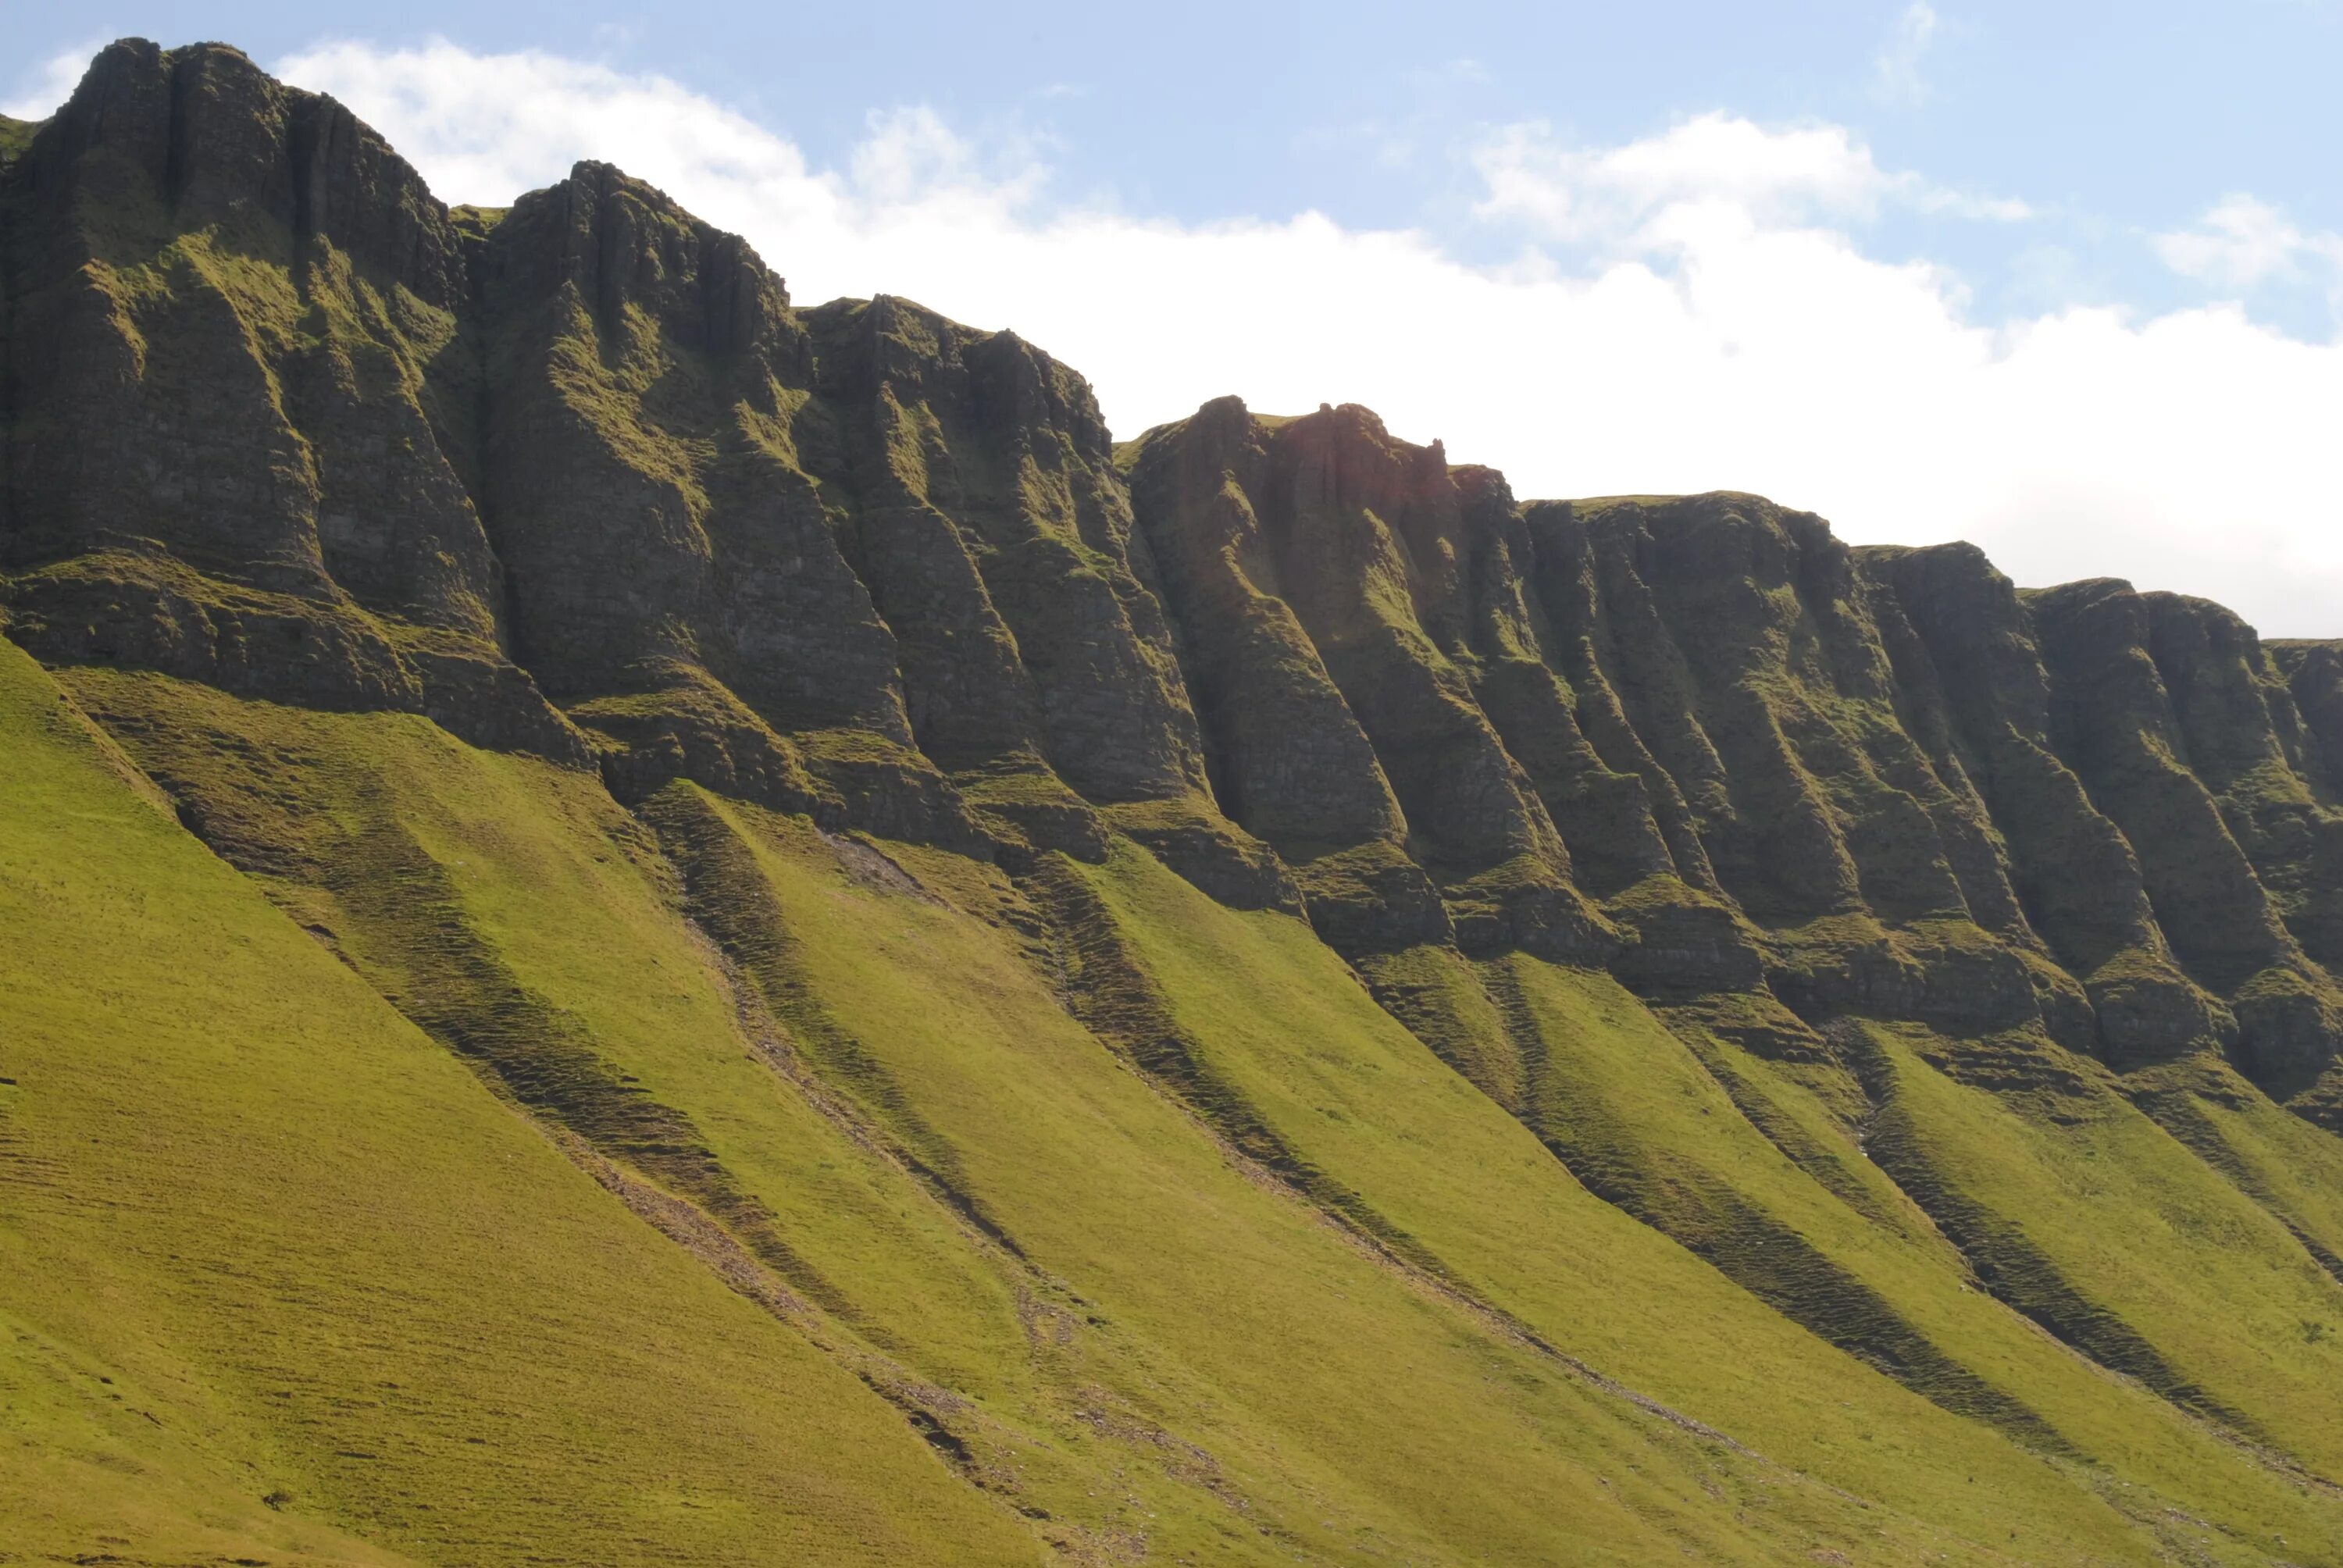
point(576, 480)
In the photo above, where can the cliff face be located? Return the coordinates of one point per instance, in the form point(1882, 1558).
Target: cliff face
point(577, 478)
point(241, 401)
point(1722, 753)
point(577, 482)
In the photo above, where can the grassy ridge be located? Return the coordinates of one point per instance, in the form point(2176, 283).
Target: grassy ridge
point(529, 922)
point(1376, 1110)
point(1411, 1424)
point(337, 1283)
point(2178, 1272)
point(2293, 1170)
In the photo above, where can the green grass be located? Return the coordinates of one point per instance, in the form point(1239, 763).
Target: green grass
point(2116, 1205)
point(1372, 1107)
point(1305, 1364)
point(2291, 1167)
point(15, 135)
point(322, 1265)
point(534, 873)
point(967, 1213)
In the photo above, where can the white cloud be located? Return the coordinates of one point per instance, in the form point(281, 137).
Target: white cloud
point(1628, 195)
point(1730, 331)
point(36, 92)
point(1607, 194)
point(1896, 70)
point(2243, 243)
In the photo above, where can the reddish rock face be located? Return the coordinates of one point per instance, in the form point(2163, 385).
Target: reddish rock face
point(577, 478)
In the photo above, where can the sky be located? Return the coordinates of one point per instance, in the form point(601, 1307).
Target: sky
point(2066, 280)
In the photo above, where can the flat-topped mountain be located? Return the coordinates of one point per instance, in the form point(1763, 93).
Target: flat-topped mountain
point(647, 924)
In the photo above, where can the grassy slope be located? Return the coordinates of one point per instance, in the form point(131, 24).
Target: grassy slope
point(2294, 1168)
point(1415, 1428)
point(2208, 1277)
point(2137, 1440)
point(1294, 1396)
point(321, 1265)
point(1181, 1355)
point(559, 886)
point(1365, 1102)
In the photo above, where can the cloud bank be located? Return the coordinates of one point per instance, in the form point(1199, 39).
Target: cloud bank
point(1694, 310)
point(2243, 243)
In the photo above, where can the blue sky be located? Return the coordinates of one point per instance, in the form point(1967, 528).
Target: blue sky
point(2061, 279)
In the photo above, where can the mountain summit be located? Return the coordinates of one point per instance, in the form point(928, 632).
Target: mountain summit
point(642, 924)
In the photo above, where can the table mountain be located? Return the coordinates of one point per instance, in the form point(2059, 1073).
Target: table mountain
point(646, 923)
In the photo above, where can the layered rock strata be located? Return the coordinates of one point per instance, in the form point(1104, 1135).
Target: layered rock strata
point(578, 478)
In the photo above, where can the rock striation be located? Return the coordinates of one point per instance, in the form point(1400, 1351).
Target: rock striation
point(578, 478)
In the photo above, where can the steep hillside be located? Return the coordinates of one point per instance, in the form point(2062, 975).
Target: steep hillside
point(642, 924)
point(276, 1260)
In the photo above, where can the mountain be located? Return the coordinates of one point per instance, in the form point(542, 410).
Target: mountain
point(646, 925)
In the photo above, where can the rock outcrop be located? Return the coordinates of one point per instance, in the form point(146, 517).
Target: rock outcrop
point(578, 478)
